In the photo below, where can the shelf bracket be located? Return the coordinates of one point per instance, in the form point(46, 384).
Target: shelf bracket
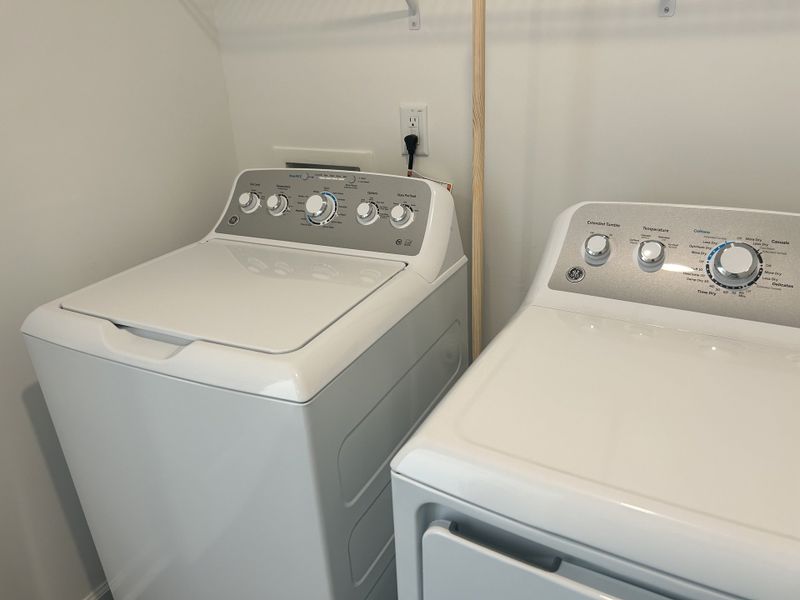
point(413, 14)
point(666, 8)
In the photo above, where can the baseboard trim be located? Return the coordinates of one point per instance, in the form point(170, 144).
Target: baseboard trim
point(101, 592)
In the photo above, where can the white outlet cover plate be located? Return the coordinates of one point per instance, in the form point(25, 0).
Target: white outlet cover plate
point(421, 112)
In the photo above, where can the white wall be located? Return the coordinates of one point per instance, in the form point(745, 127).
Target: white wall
point(586, 100)
point(115, 146)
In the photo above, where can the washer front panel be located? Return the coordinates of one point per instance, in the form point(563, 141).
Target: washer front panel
point(692, 236)
point(343, 230)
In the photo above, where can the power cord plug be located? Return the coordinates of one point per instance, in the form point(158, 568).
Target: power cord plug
point(411, 141)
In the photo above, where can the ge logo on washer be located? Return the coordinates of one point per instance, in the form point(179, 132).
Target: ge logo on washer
point(575, 275)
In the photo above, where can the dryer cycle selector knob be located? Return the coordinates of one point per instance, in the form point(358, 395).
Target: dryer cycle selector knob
point(734, 265)
point(367, 213)
point(320, 208)
point(651, 255)
point(401, 215)
point(249, 202)
point(597, 249)
point(277, 204)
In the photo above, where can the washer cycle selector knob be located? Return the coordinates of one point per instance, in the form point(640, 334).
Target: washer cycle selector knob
point(651, 255)
point(249, 202)
point(401, 215)
point(316, 205)
point(320, 208)
point(734, 265)
point(597, 249)
point(277, 204)
point(367, 213)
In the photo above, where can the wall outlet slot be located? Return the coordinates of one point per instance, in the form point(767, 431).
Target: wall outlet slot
point(414, 119)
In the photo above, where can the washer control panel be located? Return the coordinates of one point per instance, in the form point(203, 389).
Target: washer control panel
point(733, 263)
point(343, 209)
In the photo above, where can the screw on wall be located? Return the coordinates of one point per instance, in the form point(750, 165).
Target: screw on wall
point(666, 8)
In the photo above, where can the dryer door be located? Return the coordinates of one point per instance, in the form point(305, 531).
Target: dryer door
point(455, 568)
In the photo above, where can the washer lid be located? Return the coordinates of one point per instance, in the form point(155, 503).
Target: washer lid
point(263, 298)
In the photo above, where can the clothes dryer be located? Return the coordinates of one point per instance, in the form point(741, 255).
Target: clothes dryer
point(632, 434)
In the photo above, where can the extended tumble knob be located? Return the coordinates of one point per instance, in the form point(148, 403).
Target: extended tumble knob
point(734, 265)
point(597, 249)
point(249, 202)
point(320, 208)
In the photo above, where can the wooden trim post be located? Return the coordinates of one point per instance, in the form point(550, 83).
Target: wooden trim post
point(478, 143)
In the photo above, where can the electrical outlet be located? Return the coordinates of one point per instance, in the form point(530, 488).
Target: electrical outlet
point(414, 119)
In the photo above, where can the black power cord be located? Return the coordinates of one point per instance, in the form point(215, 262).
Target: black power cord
point(411, 141)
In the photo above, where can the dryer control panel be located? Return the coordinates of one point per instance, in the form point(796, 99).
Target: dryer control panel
point(342, 209)
point(733, 263)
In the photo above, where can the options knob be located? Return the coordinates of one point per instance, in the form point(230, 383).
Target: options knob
point(597, 249)
point(277, 204)
point(401, 216)
point(367, 213)
point(320, 208)
point(734, 265)
point(249, 202)
point(651, 255)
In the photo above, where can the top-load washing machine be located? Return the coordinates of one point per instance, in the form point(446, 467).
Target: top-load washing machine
point(228, 411)
point(632, 434)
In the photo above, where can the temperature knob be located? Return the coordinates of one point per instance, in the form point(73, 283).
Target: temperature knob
point(401, 216)
point(734, 265)
point(597, 249)
point(277, 204)
point(367, 213)
point(320, 208)
point(249, 202)
point(651, 255)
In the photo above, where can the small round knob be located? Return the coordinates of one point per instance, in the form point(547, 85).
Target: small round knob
point(735, 265)
point(320, 208)
point(277, 204)
point(651, 255)
point(367, 213)
point(597, 249)
point(249, 202)
point(401, 215)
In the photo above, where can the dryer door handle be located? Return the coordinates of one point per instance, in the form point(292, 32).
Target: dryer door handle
point(457, 568)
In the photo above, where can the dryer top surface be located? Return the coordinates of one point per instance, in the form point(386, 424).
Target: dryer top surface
point(668, 423)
